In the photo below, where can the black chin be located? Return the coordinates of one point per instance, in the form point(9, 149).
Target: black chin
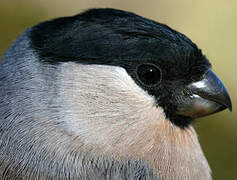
point(181, 121)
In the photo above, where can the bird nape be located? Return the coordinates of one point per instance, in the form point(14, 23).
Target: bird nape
point(105, 94)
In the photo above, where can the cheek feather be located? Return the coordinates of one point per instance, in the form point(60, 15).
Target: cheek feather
point(110, 110)
point(112, 116)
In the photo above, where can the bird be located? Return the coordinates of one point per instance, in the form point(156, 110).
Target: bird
point(105, 94)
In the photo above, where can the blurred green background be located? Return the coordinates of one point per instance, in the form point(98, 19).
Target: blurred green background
point(211, 24)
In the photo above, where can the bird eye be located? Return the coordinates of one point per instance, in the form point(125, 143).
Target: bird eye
point(149, 74)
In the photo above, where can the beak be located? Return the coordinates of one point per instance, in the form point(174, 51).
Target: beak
point(207, 96)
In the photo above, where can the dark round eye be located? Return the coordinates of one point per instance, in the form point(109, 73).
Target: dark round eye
point(149, 74)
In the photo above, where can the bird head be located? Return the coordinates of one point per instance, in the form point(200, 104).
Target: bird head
point(121, 87)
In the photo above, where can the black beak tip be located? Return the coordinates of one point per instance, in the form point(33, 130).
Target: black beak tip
point(230, 106)
point(226, 99)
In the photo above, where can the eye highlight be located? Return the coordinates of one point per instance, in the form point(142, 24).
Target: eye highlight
point(149, 74)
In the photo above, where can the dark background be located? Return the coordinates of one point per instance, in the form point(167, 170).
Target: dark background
point(211, 24)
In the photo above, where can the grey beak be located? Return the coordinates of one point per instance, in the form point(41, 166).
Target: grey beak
point(207, 96)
